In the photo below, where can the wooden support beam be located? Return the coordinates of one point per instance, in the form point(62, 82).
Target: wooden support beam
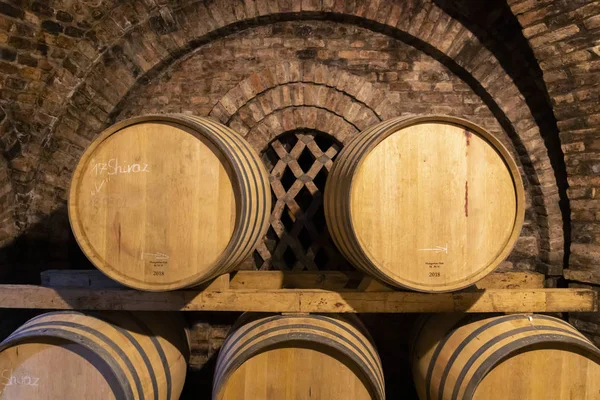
point(271, 280)
point(94, 279)
point(337, 280)
point(592, 277)
point(296, 300)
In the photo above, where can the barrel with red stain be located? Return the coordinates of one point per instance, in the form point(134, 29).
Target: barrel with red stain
point(430, 203)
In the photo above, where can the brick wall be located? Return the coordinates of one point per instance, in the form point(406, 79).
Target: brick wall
point(70, 68)
point(564, 37)
point(527, 70)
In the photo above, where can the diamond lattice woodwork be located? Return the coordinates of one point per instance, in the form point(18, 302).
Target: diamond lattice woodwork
point(298, 239)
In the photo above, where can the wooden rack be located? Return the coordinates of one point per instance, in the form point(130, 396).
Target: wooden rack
point(297, 292)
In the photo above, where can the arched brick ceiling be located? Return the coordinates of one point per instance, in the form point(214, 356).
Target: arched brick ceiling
point(495, 25)
point(96, 58)
point(565, 38)
point(348, 102)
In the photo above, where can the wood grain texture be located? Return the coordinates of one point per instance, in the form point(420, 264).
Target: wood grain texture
point(298, 300)
point(62, 355)
point(582, 276)
point(521, 356)
point(291, 357)
point(270, 280)
point(512, 280)
point(168, 201)
point(426, 203)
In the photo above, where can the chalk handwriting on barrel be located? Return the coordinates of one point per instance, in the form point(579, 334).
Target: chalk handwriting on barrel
point(8, 379)
point(437, 249)
point(98, 186)
point(112, 199)
point(155, 256)
point(112, 167)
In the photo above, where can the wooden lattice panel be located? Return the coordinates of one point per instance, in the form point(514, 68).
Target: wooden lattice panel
point(298, 238)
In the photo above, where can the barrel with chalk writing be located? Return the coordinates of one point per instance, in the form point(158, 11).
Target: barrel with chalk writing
point(163, 202)
point(101, 356)
point(430, 203)
point(457, 356)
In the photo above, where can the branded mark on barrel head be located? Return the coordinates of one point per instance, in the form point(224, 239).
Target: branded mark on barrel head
point(434, 269)
point(156, 260)
point(435, 264)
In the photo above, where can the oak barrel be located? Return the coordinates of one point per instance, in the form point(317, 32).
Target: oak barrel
point(298, 357)
point(430, 203)
point(509, 357)
point(103, 356)
point(162, 202)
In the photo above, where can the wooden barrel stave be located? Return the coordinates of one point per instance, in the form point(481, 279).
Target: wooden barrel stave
point(281, 333)
point(248, 188)
point(299, 327)
point(343, 170)
point(335, 204)
point(246, 185)
point(144, 354)
point(340, 192)
point(255, 173)
point(453, 356)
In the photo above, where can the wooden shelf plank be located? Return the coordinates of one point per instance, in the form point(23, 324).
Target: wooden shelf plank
point(592, 277)
point(299, 300)
point(335, 280)
point(270, 280)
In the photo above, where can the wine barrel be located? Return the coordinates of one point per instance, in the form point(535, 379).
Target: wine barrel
point(290, 357)
point(103, 356)
point(430, 203)
point(162, 202)
point(507, 357)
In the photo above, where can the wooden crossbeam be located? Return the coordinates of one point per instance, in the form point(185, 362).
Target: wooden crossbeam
point(271, 280)
point(298, 300)
point(592, 277)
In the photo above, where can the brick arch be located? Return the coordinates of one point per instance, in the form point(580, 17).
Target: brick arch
point(166, 34)
point(564, 39)
point(302, 94)
point(292, 84)
point(299, 117)
point(309, 83)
